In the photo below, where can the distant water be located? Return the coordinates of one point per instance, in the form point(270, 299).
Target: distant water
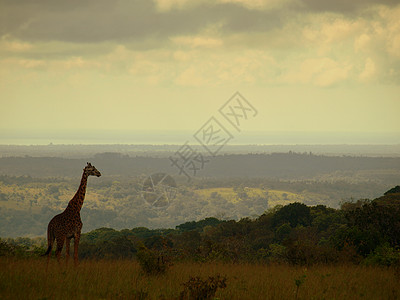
point(180, 137)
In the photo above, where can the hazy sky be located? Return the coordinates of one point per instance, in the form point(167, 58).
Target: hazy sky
point(305, 65)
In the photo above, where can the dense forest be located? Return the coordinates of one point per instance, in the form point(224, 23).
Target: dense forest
point(361, 231)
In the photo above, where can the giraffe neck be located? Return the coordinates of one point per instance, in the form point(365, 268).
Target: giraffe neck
point(75, 204)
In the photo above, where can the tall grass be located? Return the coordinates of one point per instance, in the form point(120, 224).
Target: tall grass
point(116, 279)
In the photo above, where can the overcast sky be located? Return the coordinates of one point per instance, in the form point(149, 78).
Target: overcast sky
point(305, 65)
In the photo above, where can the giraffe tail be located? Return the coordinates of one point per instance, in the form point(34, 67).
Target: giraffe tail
point(48, 250)
point(50, 240)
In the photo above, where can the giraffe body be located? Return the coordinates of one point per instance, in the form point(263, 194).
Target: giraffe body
point(67, 225)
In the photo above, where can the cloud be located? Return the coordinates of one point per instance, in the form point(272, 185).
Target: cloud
point(322, 72)
point(192, 76)
point(167, 5)
point(89, 21)
point(343, 6)
point(197, 41)
point(204, 42)
point(262, 4)
point(361, 43)
point(14, 46)
point(141, 21)
point(125, 20)
point(369, 70)
point(340, 6)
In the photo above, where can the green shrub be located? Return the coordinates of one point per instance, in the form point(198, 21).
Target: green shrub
point(11, 249)
point(277, 253)
point(151, 261)
point(298, 282)
point(139, 295)
point(384, 255)
point(6, 249)
point(198, 289)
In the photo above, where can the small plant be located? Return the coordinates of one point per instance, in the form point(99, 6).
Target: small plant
point(384, 255)
point(298, 282)
point(152, 262)
point(397, 271)
point(139, 294)
point(199, 289)
point(6, 249)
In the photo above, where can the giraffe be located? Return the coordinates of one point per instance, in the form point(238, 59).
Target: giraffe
point(67, 225)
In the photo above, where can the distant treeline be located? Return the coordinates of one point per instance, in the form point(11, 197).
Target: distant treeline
point(276, 165)
point(83, 151)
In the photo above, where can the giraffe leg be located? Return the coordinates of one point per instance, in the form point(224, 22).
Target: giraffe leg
point(68, 240)
point(76, 246)
point(60, 245)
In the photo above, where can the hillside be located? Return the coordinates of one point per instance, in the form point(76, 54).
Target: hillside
point(230, 186)
point(362, 232)
point(390, 198)
point(27, 204)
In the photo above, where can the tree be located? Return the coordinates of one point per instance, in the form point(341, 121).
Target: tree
point(294, 213)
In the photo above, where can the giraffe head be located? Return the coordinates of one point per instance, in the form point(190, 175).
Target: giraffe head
point(91, 170)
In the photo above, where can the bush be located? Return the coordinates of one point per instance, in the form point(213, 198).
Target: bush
point(277, 253)
point(11, 249)
point(116, 248)
point(139, 295)
point(6, 249)
point(282, 232)
point(152, 262)
point(198, 289)
point(384, 255)
point(303, 248)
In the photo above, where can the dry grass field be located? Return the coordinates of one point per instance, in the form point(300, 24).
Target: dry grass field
point(29, 279)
